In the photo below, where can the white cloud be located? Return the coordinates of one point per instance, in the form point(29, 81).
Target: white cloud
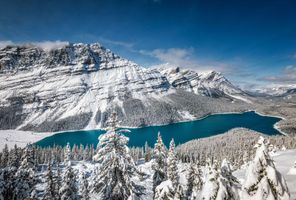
point(175, 56)
point(46, 45)
point(184, 57)
point(49, 45)
point(288, 76)
point(117, 43)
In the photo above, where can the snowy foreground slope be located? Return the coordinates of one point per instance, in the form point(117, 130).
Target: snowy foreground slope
point(284, 162)
point(77, 86)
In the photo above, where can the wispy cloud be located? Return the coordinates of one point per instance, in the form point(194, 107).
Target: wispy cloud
point(117, 43)
point(5, 43)
point(46, 45)
point(288, 76)
point(184, 57)
point(175, 56)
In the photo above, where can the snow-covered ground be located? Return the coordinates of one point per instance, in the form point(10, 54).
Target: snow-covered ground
point(284, 161)
point(20, 138)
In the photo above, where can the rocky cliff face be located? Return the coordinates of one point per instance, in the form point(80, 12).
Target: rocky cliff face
point(77, 86)
point(210, 83)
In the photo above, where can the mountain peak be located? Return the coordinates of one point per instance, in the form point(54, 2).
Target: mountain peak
point(208, 83)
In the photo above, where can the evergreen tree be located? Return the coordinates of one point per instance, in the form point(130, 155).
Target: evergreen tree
point(57, 181)
point(147, 152)
point(49, 193)
point(7, 178)
point(230, 183)
point(68, 190)
point(4, 157)
point(25, 176)
point(263, 180)
point(165, 191)
point(28, 160)
point(14, 158)
point(172, 169)
point(211, 185)
point(2, 185)
point(159, 162)
point(33, 195)
point(85, 188)
point(86, 154)
point(117, 167)
point(67, 155)
point(179, 192)
point(194, 183)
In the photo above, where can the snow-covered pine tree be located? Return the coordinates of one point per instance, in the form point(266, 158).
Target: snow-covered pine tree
point(229, 182)
point(159, 162)
point(211, 185)
point(33, 195)
point(165, 191)
point(57, 181)
point(81, 152)
point(24, 179)
point(75, 152)
point(13, 160)
point(7, 179)
point(263, 181)
point(67, 155)
point(179, 193)
point(49, 193)
point(68, 190)
point(25, 176)
point(2, 185)
point(113, 181)
point(194, 183)
point(85, 155)
point(4, 157)
point(218, 186)
point(172, 168)
point(147, 152)
point(85, 187)
point(28, 160)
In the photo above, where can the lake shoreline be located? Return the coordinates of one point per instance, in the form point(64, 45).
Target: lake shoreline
point(38, 136)
point(207, 126)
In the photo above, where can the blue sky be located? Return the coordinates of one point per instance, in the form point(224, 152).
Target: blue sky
point(252, 42)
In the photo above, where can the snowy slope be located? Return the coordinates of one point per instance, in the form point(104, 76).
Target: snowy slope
point(284, 161)
point(77, 86)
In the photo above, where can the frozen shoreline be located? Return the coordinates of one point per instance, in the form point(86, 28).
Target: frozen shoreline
point(20, 138)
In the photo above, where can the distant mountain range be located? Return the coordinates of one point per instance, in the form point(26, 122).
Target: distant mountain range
point(277, 90)
point(77, 87)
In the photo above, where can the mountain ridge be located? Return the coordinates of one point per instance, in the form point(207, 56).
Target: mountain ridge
point(78, 85)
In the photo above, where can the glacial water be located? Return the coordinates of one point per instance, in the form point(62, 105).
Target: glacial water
point(181, 132)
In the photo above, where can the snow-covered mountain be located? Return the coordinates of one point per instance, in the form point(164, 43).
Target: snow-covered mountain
point(78, 85)
point(278, 90)
point(207, 83)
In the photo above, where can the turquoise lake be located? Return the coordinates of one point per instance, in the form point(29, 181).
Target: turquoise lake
point(181, 132)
